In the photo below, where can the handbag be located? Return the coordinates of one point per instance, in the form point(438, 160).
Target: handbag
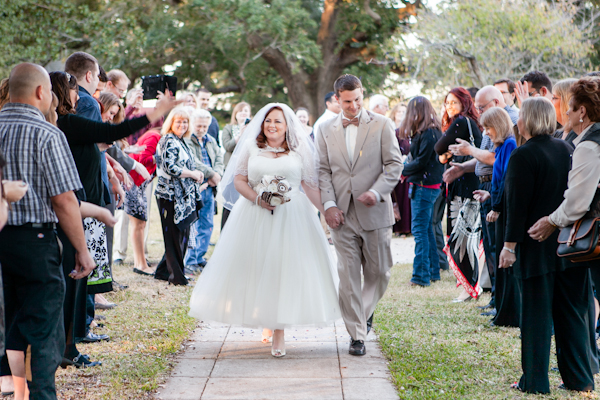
point(579, 242)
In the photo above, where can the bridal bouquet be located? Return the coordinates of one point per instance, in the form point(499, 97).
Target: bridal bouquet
point(273, 189)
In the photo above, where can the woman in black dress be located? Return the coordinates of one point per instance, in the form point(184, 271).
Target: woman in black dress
point(460, 122)
point(536, 180)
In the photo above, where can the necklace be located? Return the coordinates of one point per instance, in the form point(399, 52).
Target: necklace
point(274, 149)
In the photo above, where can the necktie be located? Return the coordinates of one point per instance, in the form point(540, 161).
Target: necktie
point(353, 121)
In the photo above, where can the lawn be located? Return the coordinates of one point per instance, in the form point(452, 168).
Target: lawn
point(146, 331)
point(443, 350)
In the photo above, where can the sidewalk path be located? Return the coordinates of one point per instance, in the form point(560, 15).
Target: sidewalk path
point(227, 362)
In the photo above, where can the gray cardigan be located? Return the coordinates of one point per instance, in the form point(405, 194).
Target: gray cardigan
point(228, 141)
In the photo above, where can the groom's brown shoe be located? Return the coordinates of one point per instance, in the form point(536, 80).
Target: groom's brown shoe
point(357, 347)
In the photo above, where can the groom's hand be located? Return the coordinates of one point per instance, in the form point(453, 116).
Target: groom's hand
point(334, 217)
point(368, 199)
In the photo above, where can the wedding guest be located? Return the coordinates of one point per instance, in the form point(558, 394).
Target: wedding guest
point(177, 193)
point(102, 80)
point(189, 99)
point(580, 201)
point(137, 205)
point(203, 97)
point(117, 83)
point(40, 157)
point(507, 294)
point(561, 95)
point(207, 152)
point(554, 294)
point(424, 174)
point(231, 135)
point(507, 88)
point(379, 104)
point(459, 121)
point(398, 113)
point(332, 109)
point(135, 108)
point(303, 116)
point(400, 194)
point(110, 105)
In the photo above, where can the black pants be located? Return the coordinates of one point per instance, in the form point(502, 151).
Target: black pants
point(488, 230)
point(74, 309)
point(170, 268)
point(565, 298)
point(34, 290)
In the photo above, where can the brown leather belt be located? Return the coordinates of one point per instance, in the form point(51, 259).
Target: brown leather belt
point(485, 178)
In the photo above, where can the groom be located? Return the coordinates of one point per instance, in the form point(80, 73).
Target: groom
point(359, 167)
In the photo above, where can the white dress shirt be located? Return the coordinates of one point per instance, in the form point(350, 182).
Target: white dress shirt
point(350, 132)
point(326, 116)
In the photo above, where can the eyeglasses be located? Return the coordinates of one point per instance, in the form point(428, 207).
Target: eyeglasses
point(535, 91)
point(480, 108)
point(452, 103)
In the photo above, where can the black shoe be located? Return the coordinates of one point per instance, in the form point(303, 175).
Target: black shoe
point(139, 271)
point(117, 262)
point(489, 305)
point(370, 323)
point(357, 347)
point(81, 361)
point(491, 313)
point(91, 337)
point(117, 286)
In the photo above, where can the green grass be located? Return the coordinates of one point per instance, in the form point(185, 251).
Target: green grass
point(146, 329)
point(443, 350)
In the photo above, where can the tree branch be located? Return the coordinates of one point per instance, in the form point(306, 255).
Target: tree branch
point(371, 13)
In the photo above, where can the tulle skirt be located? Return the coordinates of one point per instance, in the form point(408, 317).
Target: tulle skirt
point(269, 270)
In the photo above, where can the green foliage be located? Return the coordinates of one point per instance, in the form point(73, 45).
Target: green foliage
point(474, 42)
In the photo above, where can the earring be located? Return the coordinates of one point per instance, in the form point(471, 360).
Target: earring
point(581, 120)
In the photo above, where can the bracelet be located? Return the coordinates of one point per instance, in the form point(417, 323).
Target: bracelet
point(552, 222)
point(256, 199)
point(509, 250)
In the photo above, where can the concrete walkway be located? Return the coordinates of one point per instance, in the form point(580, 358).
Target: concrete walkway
point(227, 362)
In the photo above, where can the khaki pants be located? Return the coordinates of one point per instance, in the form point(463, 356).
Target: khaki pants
point(361, 253)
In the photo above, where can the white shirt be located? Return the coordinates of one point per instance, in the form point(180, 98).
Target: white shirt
point(351, 132)
point(327, 115)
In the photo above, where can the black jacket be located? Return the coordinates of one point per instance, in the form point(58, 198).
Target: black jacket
point(425, 167)
point(536, 179)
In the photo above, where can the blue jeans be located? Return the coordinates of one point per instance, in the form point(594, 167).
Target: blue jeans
point(426, 266)
point(204, 228)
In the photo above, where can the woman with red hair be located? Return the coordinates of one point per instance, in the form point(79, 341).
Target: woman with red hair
point(460, 122)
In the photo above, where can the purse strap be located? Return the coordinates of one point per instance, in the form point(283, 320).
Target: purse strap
point(470, 132)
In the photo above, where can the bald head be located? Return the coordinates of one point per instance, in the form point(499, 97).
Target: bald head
point(30, 84)
point(489, 93)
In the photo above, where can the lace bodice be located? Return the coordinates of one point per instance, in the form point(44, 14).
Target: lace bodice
point(289, 166)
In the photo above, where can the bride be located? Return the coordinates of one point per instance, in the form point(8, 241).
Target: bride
point(272, 267)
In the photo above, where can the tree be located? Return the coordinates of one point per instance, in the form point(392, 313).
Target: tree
point(474, 42)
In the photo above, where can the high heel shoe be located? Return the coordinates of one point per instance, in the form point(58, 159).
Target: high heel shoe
point(278, 352)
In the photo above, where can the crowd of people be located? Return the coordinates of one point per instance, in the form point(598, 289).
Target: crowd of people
point(81, 160)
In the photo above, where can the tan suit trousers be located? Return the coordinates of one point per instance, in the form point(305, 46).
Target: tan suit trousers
point(370, 250)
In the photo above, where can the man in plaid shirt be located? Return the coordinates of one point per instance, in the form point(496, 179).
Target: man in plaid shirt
point(38, 154)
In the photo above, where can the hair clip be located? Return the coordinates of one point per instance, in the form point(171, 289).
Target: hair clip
point(68, 76)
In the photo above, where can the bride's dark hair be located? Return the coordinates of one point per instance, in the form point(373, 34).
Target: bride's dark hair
point(261, 139)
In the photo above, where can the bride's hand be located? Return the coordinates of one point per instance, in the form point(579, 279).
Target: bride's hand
point(264, 204)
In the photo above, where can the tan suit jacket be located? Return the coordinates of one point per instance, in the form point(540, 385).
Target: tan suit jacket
point(376, 165)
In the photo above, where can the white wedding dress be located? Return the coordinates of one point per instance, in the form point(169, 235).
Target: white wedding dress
point(270, 270)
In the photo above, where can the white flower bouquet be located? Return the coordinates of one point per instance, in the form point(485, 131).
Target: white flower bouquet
point(273, 189)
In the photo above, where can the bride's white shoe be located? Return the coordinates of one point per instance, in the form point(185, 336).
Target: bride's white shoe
point(278, 350)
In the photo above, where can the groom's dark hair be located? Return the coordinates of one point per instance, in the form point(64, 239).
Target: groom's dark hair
point(346, 82)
